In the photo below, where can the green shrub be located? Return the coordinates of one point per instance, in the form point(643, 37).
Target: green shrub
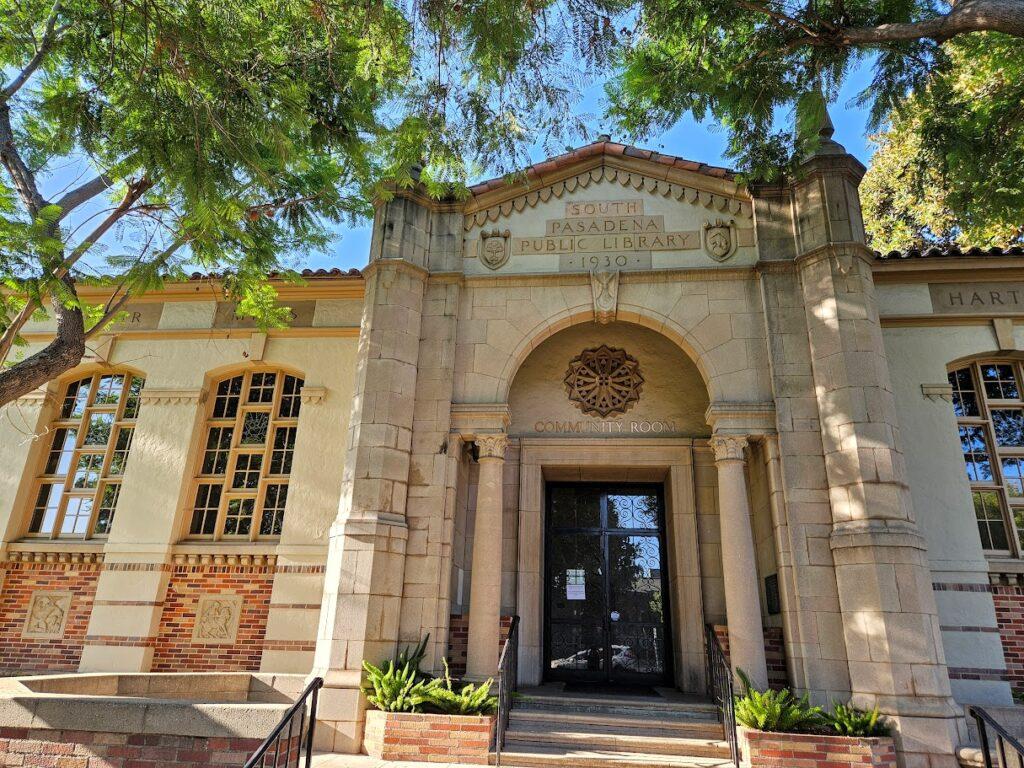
point(412, 656)
point(847, 720)
point(777, 711)
point(396, 689)
point(468, 700)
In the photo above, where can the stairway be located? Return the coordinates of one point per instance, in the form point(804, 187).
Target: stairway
point(589, 731)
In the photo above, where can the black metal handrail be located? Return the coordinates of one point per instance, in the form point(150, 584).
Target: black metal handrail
point(720, 688)
point(289, 750)
point(508, 667)
point(1004, 740)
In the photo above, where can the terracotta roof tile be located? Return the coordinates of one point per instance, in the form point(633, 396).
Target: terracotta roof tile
point(950, 252)
point(605, 147)
point(306, 274)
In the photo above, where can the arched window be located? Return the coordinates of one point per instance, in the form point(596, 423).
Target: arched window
point(246, 457)
point(990, 417)
point(91, 438)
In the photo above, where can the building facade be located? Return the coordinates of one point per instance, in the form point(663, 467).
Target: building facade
point(623, 398)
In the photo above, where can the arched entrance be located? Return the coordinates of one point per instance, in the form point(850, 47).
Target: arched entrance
point(610, 426)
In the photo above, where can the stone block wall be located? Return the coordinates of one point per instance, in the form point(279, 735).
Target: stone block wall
point(83, 749)
point(458, 641)
point(228, 642)
point(59, 597)
point(774, 651)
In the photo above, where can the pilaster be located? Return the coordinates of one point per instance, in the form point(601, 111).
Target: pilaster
point(132, 585)
point(362, 599)
point(890, 621)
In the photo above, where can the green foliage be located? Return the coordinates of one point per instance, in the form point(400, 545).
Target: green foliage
point(947, 170)
point(773, 710)
point(396, 689)
point(847, 720)
point(468, 700)
point(412, 655)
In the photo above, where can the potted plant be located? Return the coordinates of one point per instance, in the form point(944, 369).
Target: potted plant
point(775, 722)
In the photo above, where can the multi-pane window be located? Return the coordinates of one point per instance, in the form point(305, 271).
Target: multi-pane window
point(990, 415)
point(246, 457)
point(90, 439)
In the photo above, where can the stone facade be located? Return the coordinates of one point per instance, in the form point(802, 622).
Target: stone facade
point(616, 317)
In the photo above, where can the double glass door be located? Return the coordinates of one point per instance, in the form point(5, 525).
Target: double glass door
point(606, 612)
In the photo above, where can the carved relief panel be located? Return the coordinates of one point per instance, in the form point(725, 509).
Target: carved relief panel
point(47, 615)
point(217, 619)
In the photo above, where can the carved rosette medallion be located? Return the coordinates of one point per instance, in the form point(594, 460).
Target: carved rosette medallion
point(604, 381)
point(719, 239)
point(494, 250)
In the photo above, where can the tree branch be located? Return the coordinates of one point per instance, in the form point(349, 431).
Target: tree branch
point(50, 35)
point(71, 200)
point(24, 179)
point(1005, 16)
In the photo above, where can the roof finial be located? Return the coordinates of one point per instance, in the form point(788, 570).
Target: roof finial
point(605, 137)
point(827, 129)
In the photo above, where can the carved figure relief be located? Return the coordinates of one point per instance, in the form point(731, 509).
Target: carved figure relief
point(494, 250)
point(605, 287)
point(47, 615)
point(604, 381)
point(217, 619)
point(720, 239)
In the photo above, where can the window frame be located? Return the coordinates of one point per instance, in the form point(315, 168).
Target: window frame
point(104, 478)
point(1009, 506)
point(236, 449)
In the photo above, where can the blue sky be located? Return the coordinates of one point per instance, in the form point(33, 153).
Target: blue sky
point(688, 138)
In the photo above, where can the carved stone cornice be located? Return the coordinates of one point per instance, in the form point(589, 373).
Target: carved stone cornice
point(728, 447)
point(627, 178)
point(757, 418)
point(223, 558)
point(492, 446)
point(54, 556)
point(157, 396)
point(310, 395)
point(942, 391)
point(36, 398)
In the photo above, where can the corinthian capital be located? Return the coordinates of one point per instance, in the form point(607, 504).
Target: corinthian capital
point(491, 446)
point(728, 447)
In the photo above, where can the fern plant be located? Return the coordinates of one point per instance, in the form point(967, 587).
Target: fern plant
point(396, 689)
point(847, 720)
point(772, 710)
point(469, 700)
point(413, 656)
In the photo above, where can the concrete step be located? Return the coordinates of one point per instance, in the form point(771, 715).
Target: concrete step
point(557, 757)
point(679, 725)
point(639, 740)
point(632, 705)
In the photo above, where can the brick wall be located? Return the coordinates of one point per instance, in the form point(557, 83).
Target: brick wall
point(1009, 602)
point(428, 738)
point(774, 652)
point(458, 641)
point(792, 750)
point(174, 650)
point(19, 654)
point(83, 749)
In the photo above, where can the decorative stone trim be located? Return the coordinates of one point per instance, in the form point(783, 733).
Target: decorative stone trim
point(47, 614)
point(18, 556)
point(217, 618)
point(310, 395)
point(492, 446)
point(942, 391)
point(728, 447)
point(631, 179)
point(157, 396)
point(747, 418)
point(223, 558)
point(409, 736)
point(36, 398)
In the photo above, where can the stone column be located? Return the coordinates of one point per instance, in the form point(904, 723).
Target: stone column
point(485, 584)
point(890, 622)
point(739, 569)
point(359, 616)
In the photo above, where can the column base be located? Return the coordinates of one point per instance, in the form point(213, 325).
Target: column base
point(340, 719)
point(928, 731)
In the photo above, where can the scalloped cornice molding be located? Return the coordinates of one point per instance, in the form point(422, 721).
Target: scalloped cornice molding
point(223, 558)
point(633, 179)
point(37, 398)
point(156, 396)
point(312, 394)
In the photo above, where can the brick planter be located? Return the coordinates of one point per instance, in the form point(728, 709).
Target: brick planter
point(762, 749)
point(428, 738)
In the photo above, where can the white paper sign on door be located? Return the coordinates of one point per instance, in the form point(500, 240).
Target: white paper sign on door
point(575, 584)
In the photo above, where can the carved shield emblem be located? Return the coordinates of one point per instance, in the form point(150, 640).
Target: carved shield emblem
point(494, 248)
point(720, 239)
